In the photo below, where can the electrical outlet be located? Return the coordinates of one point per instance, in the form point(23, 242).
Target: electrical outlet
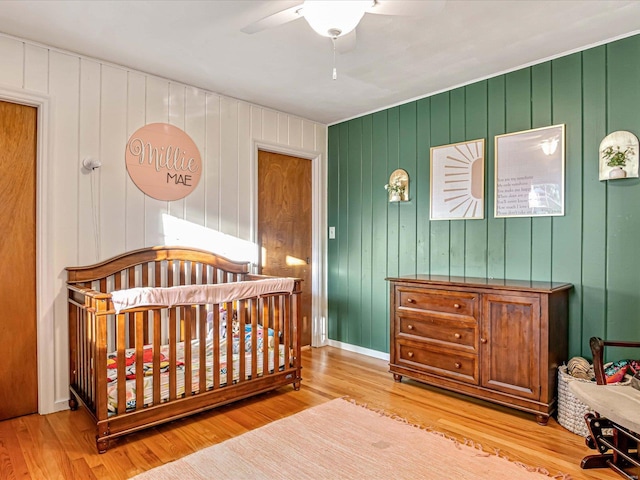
point(332, 233)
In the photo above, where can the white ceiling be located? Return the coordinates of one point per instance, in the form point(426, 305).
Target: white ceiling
point(288, 68)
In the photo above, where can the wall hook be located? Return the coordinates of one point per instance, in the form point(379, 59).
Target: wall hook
point(91, 163)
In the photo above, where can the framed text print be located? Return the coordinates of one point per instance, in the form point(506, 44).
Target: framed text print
point(163, 161)
point(529, 168)
point(457, 181)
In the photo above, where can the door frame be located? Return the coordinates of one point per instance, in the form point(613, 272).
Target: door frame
point(318, 222)
point(45, 298)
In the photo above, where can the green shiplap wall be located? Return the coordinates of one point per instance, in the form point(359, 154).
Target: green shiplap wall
point(594, 245)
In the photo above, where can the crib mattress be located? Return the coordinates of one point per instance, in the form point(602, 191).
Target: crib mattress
point(131, 388)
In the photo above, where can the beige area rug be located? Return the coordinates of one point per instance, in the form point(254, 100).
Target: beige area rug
point(341, 440)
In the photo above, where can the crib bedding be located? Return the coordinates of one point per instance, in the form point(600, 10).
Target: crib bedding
point(112, 385)
point(198, 294)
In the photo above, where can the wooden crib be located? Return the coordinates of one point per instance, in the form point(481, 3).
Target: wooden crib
point(252, 340)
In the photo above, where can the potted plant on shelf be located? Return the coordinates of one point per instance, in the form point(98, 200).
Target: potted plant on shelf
point(617, 158)
point(396, 190)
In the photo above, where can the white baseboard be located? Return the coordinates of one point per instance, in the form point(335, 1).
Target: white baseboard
point(60, 405)
point(354, 348)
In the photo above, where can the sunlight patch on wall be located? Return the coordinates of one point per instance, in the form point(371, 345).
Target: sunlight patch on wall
point(180, 232)
point(293, 261)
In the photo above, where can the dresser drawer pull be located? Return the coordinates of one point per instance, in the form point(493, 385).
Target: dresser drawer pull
point(483, 340)
point(410, 354)
point(410, 300)
point(457, 335)
point(458, 364)
point(456, 305)
point(410, 327)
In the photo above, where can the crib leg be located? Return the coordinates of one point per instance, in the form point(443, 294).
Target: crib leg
point(102, 444)
point(296, 385)
point(73, 403)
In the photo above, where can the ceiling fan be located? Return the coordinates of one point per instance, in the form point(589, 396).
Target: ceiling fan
point(337, 19)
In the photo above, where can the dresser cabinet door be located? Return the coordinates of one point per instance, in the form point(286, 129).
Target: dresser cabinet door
point(510, 344)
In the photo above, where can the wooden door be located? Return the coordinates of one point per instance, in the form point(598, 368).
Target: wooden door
point(511, 344)
point(284, 223)
point(19, 384)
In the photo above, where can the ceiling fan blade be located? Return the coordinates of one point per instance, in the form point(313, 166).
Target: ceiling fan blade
point(346, 43)
point(406, 8)
point(275, 20)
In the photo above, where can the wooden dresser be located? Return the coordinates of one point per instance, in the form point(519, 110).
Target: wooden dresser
point(498, 340)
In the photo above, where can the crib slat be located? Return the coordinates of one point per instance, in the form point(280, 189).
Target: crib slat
point(277, 323)
point(131, 283)
point(97, 338)
point(145, 274)
point(188, 366)
point(286, 334)
point(98, 346)
point(295, 315)
point(86, 352)
point(157, 267)
point(229, 336)
point(138, 317)
point(264, 320)
point(173, 341)
point(156, 357)
point(170, 273)
point(182, 273)
point(254, 338)
point(216, 346)
point(121, 380)
point(242, 321)
point(202, 335)
point(89, 353)
point(194, 326)
point(82, 318)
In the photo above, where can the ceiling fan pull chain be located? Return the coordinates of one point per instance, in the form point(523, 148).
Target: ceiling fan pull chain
point(335, 72)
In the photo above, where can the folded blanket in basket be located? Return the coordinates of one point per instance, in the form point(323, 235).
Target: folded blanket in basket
point(198, 294)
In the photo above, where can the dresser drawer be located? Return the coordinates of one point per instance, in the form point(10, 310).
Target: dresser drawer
point(458, 303)
point(461, 366)
point(461, 334)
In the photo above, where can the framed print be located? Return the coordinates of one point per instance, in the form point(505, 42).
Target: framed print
point(529, 171)
point(457, 181)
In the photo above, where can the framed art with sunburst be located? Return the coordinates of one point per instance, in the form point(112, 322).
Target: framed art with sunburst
point(457, 181)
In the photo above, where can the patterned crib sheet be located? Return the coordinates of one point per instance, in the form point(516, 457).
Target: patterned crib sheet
point(112, 385)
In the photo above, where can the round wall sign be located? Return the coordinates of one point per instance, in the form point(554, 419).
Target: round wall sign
point(163, 161)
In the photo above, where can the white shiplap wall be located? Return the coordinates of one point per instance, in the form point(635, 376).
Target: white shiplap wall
point(93, 109)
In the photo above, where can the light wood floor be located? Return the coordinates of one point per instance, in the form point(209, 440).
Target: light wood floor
point(62, 445)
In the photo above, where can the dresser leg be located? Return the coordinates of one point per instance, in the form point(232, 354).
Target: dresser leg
point(397, 378)
point(542, 419)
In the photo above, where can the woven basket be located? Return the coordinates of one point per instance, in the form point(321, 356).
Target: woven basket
point(571, 411)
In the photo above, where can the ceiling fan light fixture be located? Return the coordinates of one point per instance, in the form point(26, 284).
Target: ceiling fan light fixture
point(331, 18)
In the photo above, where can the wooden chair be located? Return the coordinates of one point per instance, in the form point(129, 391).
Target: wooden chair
point(613, 429)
